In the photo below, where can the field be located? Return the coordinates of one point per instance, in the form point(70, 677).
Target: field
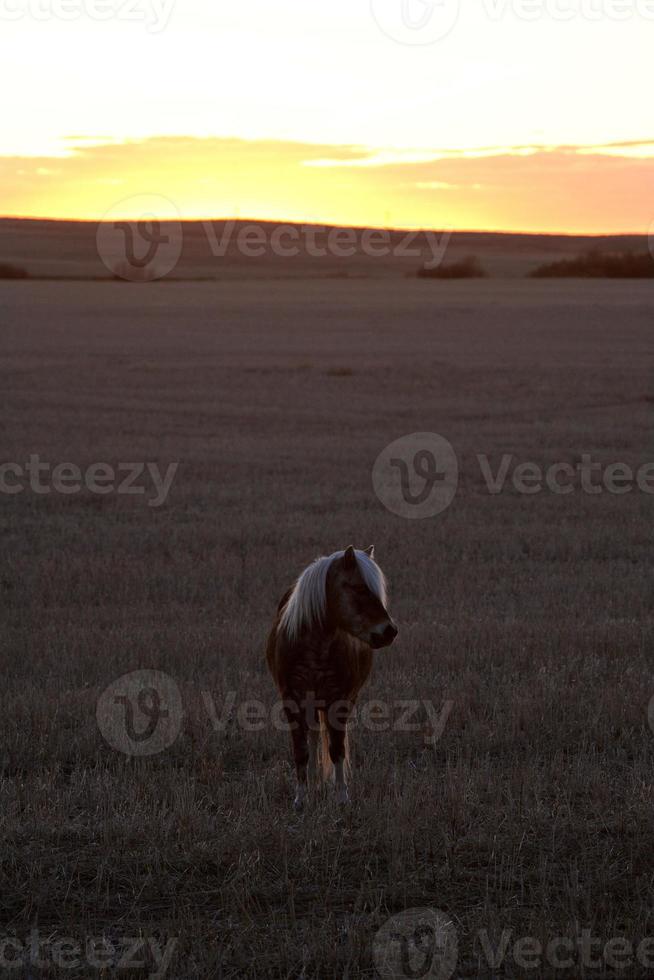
point(530, 816)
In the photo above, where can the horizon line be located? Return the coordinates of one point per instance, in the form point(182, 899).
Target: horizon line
point(355, 227)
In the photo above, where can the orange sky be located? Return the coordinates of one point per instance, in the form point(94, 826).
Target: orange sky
point(521, 189)
point(475, 116)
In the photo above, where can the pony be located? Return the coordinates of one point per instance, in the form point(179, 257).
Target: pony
point(320, 654)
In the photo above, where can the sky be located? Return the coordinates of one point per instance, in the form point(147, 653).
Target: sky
point(514, 115)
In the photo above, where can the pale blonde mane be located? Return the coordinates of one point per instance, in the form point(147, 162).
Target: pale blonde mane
point(306, 603)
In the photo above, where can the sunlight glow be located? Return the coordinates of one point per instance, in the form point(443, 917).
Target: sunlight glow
point(315, 113)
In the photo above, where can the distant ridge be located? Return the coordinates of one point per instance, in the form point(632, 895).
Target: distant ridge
point(61, 249)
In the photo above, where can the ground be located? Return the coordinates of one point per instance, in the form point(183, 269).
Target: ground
point(531, 613)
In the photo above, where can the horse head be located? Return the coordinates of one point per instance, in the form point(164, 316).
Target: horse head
point(356, 598)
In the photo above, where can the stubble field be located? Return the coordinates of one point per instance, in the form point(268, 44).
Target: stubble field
point(531, 815)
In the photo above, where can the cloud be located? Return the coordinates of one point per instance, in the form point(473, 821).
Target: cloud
point(360, 157)
point(442, 185)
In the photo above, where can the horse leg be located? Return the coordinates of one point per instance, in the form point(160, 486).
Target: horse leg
point(314, 739)
point(337, 753)
point(299, 734)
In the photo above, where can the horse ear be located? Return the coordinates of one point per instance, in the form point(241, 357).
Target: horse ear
point(349, 558)
point(370, 551)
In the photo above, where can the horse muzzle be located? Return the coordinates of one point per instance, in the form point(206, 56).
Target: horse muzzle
point(383, 635)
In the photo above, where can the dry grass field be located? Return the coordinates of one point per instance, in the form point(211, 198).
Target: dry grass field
point(531, 816)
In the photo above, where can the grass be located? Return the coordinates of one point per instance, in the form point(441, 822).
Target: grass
point(533, 614)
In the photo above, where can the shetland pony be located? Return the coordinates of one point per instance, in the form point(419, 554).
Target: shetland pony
point(320, 655)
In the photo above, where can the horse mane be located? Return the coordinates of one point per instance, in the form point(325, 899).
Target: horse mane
point(308, 598)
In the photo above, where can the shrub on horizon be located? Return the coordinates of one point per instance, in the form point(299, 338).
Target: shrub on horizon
point(599, 265)
point(467, 268)
point(9, 271)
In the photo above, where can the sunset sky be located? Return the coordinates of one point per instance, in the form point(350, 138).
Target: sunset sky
point(518, 118)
